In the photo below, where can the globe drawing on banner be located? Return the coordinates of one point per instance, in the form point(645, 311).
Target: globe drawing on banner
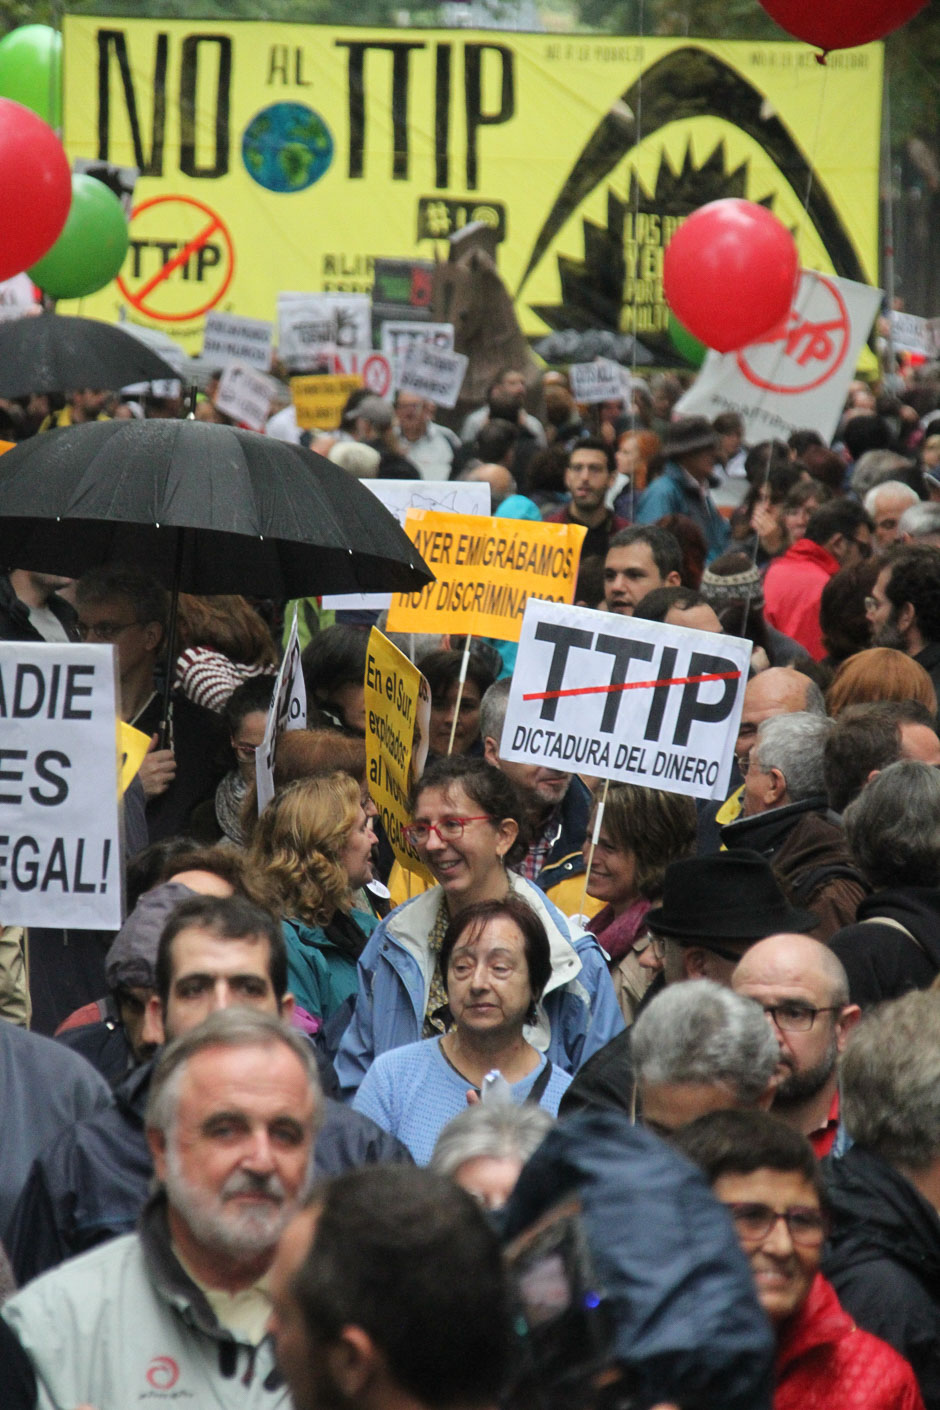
point(287, 147)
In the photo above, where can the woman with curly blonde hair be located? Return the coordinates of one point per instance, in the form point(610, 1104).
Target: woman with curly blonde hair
point(313, 847)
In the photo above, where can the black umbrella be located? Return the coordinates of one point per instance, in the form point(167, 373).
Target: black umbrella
point(53, 352)
point(204, 508)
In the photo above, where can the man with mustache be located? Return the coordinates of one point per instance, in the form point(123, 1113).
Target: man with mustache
point(181, 1306)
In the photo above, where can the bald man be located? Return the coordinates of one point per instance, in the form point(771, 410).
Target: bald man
point(500, 480)
point(804, 992)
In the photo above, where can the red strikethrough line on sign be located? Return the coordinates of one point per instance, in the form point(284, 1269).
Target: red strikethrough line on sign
point(181, 257)
point(631, 685)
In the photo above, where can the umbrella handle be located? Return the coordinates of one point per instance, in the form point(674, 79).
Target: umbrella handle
point(172, 636)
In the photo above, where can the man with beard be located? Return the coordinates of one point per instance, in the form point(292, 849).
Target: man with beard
point(182, 1305)
point(805, 995)
point(904, 608)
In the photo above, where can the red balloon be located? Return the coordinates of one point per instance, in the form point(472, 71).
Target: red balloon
point(841, 24)
point(36, 184)
point(730, 273)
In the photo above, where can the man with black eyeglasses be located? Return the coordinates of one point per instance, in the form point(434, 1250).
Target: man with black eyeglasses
point(804, 992)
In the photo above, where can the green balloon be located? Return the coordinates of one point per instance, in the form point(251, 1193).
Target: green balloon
point(91, 248)
point(31, 70)
point(685, 343)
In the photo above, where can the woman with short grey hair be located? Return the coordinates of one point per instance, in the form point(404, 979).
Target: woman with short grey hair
point(893, 829)
point(485, 1147)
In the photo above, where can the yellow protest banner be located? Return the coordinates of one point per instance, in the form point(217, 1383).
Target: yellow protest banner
point(132, 746)
point(288, 157)
point(319, 401)
point(486, 570)
point(398, 711)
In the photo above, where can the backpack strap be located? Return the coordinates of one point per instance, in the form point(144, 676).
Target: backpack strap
point(539, 1085)
point(895, 925)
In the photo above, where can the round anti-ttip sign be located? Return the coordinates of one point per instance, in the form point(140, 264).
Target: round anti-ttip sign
point(809, 348)
point(180, 259)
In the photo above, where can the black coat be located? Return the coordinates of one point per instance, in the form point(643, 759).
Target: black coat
point(883, 1259)
point(93, 1182)
point(880, 960)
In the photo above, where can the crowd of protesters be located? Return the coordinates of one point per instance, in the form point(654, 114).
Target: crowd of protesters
point(712, 1025)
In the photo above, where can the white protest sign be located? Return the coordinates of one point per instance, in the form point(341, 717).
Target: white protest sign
point(798, 378)
point(61, 849)
point(288, 711)
point(245, 395)
point(433, 373)
point(305, 332)
point(228, 338)
point(398, 334)
point(596, 381)
point(352, 319)
point(628, 700)
point(909, 332)
point(17, 298)
point(398, 496)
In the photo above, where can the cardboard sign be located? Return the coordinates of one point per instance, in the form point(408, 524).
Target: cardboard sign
point(432, 373)
point(398, 496)
point(398, 714)
point(61, 851)
point(909, 332)
point(486, 569)
point(597, 381)
point(798, 377)
point(244, 340)
point(245, 395)
point(288, 711)
point(398, 335)
point(319, 401)
point(637, 702)
point(305, 330)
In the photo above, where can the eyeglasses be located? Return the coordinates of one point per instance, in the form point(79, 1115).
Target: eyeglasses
point(796, 1018)
point(103, 631)
point(245, 751)
point(658, 946)
point(448, 829)
point(754, 1222)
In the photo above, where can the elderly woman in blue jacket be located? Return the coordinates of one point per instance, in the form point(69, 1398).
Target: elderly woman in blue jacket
point(468, 829)
point(313, 847)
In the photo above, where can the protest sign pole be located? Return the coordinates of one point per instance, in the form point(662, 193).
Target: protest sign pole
point(460, 684)
point(598, 820)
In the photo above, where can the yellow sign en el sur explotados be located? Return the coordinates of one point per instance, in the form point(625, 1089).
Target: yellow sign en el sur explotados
point(486, 569)
point(319, 401)
point(398, 711)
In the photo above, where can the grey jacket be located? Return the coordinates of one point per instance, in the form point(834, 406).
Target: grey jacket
point(123, 1326)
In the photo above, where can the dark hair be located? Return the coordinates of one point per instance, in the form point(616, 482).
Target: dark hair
point(442, 670)
point(765, 457)
point(227, 918)
point(825, 466)
point(864, 738)
point(915, 578)
point(861, 433)
point(229, 863)
point(594, 443)
point(658, 601)
point(664, 546)
point(800, 441)
point(740, 1142)
point(253, 696)
point(335, 657)
point(842, 617)
point(537, 949)
point(492, 790)
point(545, 470)
point(149, 600)
point(495, 439)
point(805, 490)
point(148, 867)
point(657, 827)
point(411, 1259)
point(589, 586)
point(692, 546)
point(728, 423)
point(842, 516)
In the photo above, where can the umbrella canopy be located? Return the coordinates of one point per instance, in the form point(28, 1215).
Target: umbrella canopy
point(205, 508)
point(57, 353)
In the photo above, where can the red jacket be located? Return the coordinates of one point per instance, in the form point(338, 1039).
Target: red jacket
point(793, 590)
point(825, 1362)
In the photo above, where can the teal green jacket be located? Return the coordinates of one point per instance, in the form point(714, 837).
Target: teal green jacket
point(320, 976)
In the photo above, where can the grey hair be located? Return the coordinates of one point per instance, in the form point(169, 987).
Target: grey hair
point(890, 1080)
point(921, 521)
point(893, 826)
point(795, 744)
point(500, 1130)
point(493, 709)
point(876, 467)
point(230, 1028)
point(815, 700)
point(699, 1031)
point(894, 487)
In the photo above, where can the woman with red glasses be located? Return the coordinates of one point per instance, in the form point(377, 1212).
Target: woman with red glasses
point(468, 829)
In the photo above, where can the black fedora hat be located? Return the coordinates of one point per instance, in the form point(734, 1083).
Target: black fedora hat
point(687, 435)
point(728, 896)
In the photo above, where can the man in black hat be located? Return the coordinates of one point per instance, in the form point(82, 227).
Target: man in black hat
point(690, 449)
point(713, 909)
